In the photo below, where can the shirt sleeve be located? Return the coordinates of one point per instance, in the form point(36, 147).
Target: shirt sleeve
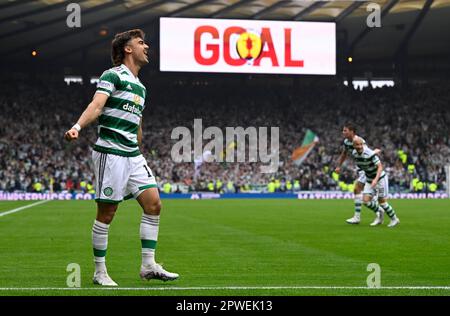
point(375, 160)
point(108, 83)
point(344, 147)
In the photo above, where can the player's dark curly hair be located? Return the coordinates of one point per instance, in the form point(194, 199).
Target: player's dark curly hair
point(120, 41)
point(350, 127)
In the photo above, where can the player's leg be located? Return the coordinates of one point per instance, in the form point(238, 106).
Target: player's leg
point(382, 199)
point(373, 204)
point(109, 174)
point(142, 185)
point(100, 229)
point(359, 186)
point(390, 212)
point(151, 206)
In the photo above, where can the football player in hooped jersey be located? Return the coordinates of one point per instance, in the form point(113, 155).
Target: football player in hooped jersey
point(377, 183)
point(349, 133)
point(121, 172)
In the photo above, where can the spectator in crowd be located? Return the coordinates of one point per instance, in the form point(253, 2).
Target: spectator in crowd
point(415, 121)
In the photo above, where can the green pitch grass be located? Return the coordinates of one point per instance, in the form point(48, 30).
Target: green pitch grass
point(219, 244)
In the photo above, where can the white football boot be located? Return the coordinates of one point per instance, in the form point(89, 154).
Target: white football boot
point(379, 219)
point(156, 271)
point(102, 278)
point(356, 219)
point(394, 222)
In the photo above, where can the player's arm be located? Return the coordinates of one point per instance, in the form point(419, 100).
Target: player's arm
point(341, 160)
point(106, 86)
point(139, 134)
point(377, 177)
point(377, 151)
point(90, 114)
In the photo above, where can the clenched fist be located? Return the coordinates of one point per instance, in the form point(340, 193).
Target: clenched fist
point(71, 134)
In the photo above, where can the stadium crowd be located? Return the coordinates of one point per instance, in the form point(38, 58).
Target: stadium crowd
point(410, 126)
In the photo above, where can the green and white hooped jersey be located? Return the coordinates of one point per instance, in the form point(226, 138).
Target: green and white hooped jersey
point(368, 162)
point(119, 122)
point(348, 146)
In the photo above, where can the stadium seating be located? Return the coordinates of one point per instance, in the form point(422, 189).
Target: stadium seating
point(413, 121)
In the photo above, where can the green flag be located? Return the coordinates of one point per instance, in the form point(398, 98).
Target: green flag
point(309, 141)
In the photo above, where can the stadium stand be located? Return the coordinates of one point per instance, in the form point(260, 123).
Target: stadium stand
point(35, 157)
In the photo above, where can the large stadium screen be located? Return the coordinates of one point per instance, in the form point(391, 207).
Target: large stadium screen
point(247, 46)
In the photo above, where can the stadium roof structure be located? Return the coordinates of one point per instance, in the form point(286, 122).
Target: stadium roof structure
point(417, 27)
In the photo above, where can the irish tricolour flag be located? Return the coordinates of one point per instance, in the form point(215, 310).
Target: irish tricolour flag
point(309, 141)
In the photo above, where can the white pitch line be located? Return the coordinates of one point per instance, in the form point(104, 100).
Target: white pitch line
point(201, 288)
point(23, 207)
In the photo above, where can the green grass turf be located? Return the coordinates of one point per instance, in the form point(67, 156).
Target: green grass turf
point(216, 243)
point(10, 205)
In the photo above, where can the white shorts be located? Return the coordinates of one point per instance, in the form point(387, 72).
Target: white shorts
point(118, 178)
point(361, 177)
point(381, 189)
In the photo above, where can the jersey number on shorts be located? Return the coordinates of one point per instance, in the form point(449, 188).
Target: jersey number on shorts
point(148, 171)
